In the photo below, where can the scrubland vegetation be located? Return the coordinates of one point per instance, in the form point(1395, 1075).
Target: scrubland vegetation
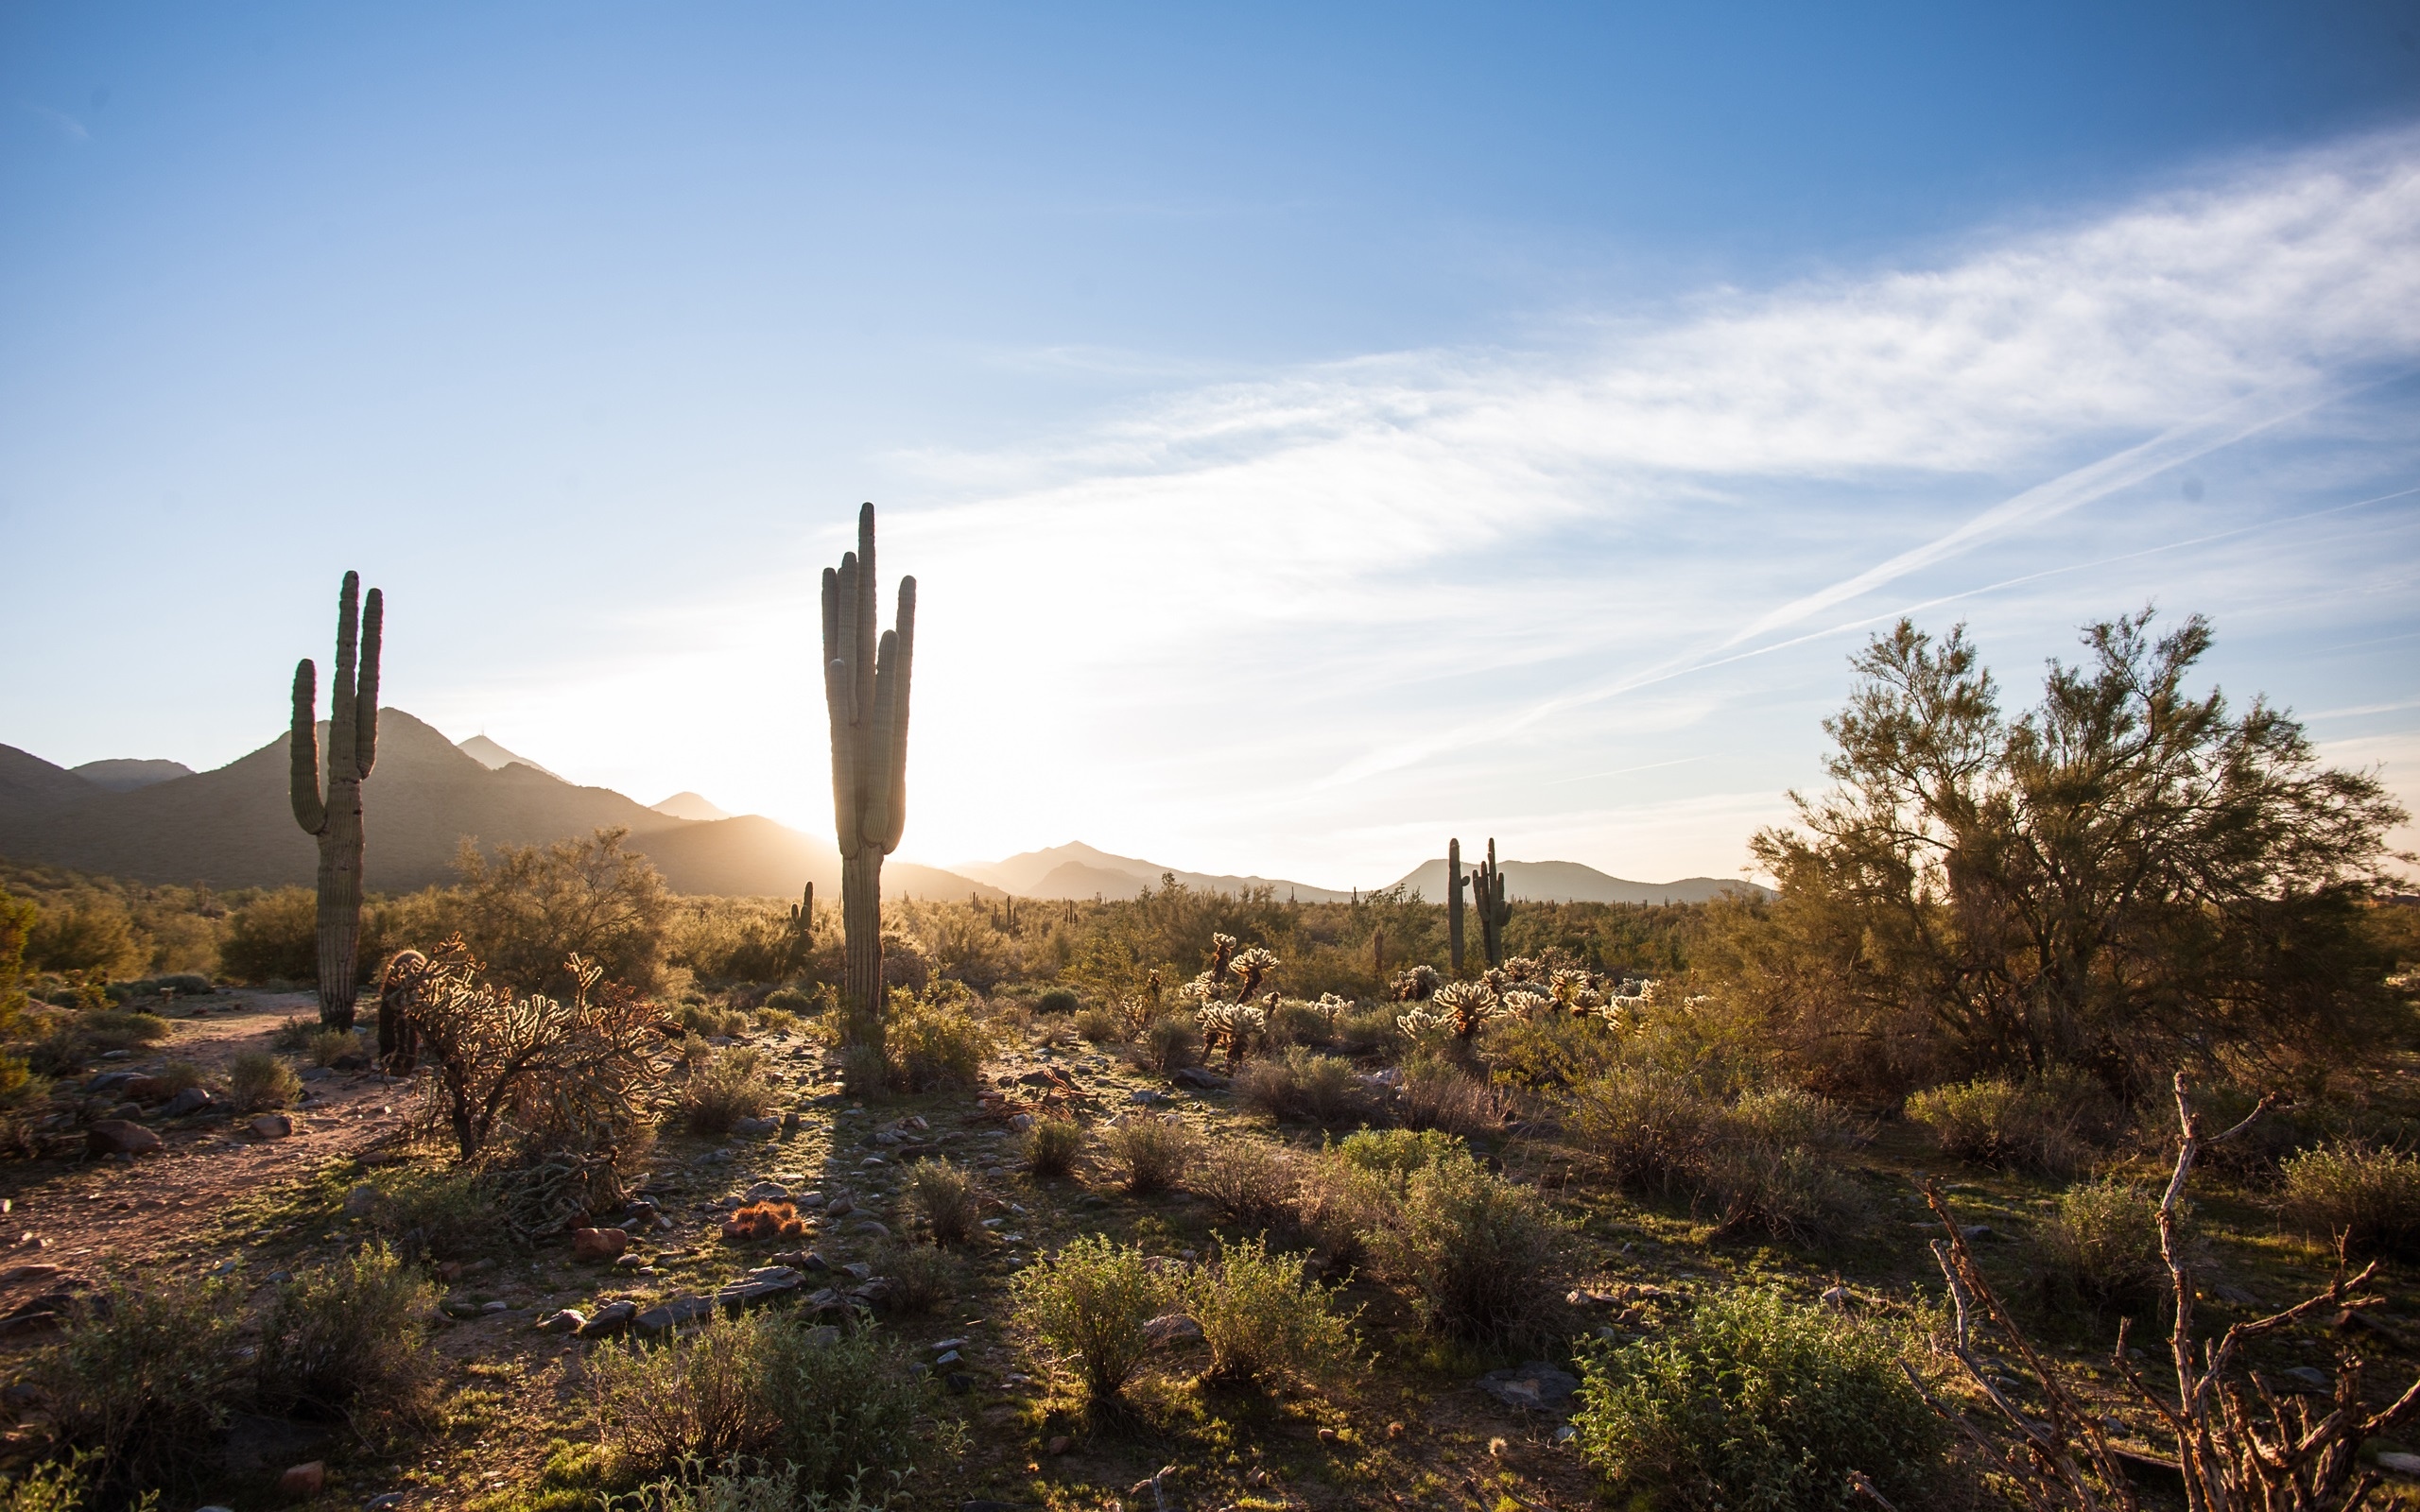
point(1873, 1193)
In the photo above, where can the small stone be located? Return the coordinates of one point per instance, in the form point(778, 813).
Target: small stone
point(1327, 1436)
point(791, 1123)
point(274, 1125)
point(387, 1502)
point(870, 1225)
point(630, 1263)
point(307, 1479)
point(686, 1307)
point(2400, 1463)
point(945, 1345)
point(1171, 1328)
point(598, 1243)
point(497, 1306)
point(1536, 1387)
point(2311, 1378)
point(1021, 1123)
point(951, 1357)
point(186, 1102)
point(754, 1129)
point(568, 1320)
point(1059, 1444)
point(118, 1136)
point(858, 1269)
point(1200, 1079)
point(610, 1317)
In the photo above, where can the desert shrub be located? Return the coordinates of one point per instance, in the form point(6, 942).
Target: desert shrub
point(1435, 1094)
point(2371, 1196)
point(274, 938)
point(1793, 1117)
point(294, 1035)
point(1058, 1000)
point(687, 1398)
point(1479, 1254)
point(1168, 1044)
point(922, 1277)
point(1785, 1190)
point(1549, 1050)
point(86, 930)
point(328, 1046)
point(1395, 1154)
point(731, 1085)
point(1154, 1150)
point(425, 1210)
point(933, 1040)
point(528, 911)
point(776, 1020)
point(256, 1079)
point(1303, 1084)
point(344, 1340)
point(143, 1379)
point(2102, 1244)
point(1650, 1129)
point(1294, 1021)
point(184, 984)
point(1263, 1316)
point(945, 1196)
point(1102, 1026)
point(1085, 1308)
point(56, 1486)
point(1251, 1182)
point(1757, 1162)
point(1363, 1030)
point(177, 1075)
point(2034, 1126)
point(1754, 1402)
point(791, 1000)
point(706, 1019)
point(697, 1488)
point(1052, 1145)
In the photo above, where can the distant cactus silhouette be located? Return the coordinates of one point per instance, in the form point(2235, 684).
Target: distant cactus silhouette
point(865, 691)
point(1487, 898)
point(334, 817)
point(1455, 883)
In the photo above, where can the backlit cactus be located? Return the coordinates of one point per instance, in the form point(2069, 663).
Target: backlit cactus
point(1487, 899)
point(865, 694)
point(1455, 883)
point(333, 816)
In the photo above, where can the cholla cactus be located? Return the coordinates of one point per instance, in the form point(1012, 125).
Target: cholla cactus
point(1525, 1004)
point(1460, 1008)
point(1417, 985)
point(1253, 965)
point(1577, 991)
point(1222, 950)
point(1332, 1007)
point(1233, 1025)
point(1202, 989)
point(1524, 969)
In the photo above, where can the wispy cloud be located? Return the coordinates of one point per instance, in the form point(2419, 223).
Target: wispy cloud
point(59, 121)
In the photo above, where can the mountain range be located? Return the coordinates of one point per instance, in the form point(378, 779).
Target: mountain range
point(159, 821)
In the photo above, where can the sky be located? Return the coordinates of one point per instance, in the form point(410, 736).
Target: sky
point(1315, 431)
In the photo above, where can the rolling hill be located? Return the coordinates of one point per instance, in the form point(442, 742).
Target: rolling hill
point(234, 827)
point(1077, 871)
point(1568, 882)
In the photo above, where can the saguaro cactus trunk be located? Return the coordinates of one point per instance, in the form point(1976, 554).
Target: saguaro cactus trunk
point(1487, 895)
point(1455, 883)
point(865, 691)
point(335, 816)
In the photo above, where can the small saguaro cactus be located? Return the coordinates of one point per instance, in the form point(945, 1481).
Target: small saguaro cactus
point(1487, 896)
point(865, 691)
point(1455, 883)
point(334, 817)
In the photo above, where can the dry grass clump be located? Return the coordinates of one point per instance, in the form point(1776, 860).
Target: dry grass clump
point(425, 1211)
point(765, 1220)
point(2369, 1196)
point(177, 1075)
point(1052, 1145)
point(257, 1080)
point(726, 1087)
point(1263, 1316)
point(943, 1195)
point(1251, 1182)
point(1153, 1150)
point(705, 1019)
point(1304, 1084)
point(1648, 1129)
point(1434, 1094)
point(2035, 1126)
point(344, 1341)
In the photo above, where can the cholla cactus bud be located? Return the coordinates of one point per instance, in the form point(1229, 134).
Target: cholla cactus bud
point(1465, 1007)
point(1253, 965)
point(1222, 950)
point(1524, 1005)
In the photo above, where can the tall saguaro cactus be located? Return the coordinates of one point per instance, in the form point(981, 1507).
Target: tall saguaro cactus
point(865, 690)
point(1455, 883)
point(334, 817)
point(1487, 895)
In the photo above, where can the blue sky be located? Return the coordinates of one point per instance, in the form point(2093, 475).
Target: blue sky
point(1315, 433)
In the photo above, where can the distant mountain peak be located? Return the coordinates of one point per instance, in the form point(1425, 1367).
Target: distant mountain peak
point(496, 758)
point(124, 774)
point(690, 806)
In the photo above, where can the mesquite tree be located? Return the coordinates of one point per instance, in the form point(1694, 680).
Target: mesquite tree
point(334, 817)
point(865, 690)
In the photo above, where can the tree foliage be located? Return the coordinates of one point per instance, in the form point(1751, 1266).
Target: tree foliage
point(532, 908)
point(2121, 876)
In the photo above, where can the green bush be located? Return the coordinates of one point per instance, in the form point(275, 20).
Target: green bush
point(697, 1488)
point(344, 1341)
point(1783, 1190)
point(57, 1487)
point(177, 1075)
point(1058, 1000)
point(2036, 1126)
point(1169, 1044)
point(1760, 1161)
point(1480, 1255)
point(922, 1277)
point(1052, 1145)
point(839, 1408)
point(1754, 1401)
point(1397, 1153)
point(328, 1046)
point(705, 1019)
point(1100, 1026)
point(776, 1020)
point(1263, 1317)
point(257, 1079)
point(273, 938)
point(1304, 1084)
point(1650, 1129)
point(2369, 1197)
point(945, 1196)
point(1155, 1150)
point(793, 1001)
point(2102, 1244)
point(933, 1041)
point(294, 1035)
point(143, 1378)
point(1251, 1182)
point(432, 1212)
point(728, 1086)
point(1085, 1308)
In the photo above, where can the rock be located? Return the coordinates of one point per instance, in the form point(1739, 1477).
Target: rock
point(148, 1089)
point(188, 1103)
point(610, 1317)
point(351, 1061)
point(1146, 1097)
point(2399, 1463)
point(362, 1200)
point(2310, 1378)
point(1059, 1444)
point(313, 1074)
point(808, 1199)
point(1179, 1328)
point(307, 1479)
point(497, 1306)
point(945, 1345)
point(791, 1123)
point(27, 1273)
point(391, 1502)
point(758, 1286)
point(840, 1207)
point(1584, 1296)
point(946, 1357)
point(1327, 1435)
point(959, 1383)
point(1535, 1387)
point(1978, 1231)
point(116, 1136)
point(1201, 1080)
point(871, 1226)
point(630, 1263)
point(129, 1111)
point(821, 1336)
point(274, 1125)
point(754, 1129)
point(2234, 1297)
point(859, 1270)
point(108, 1081)
point(598, 1243)
point(686, 1307)
point(1835, 1295)
point(1021, 1123)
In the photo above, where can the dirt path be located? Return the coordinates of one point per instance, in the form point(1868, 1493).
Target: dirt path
point(88, 1218)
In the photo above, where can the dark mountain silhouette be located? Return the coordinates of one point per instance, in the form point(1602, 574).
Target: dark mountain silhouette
point(494, 757)
point(234, 827)
point(1077, 871)
point(121, 774)
point(1568, 882)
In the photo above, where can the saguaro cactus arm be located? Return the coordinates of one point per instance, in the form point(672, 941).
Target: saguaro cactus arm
point(365, 704)
point(303, 752)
